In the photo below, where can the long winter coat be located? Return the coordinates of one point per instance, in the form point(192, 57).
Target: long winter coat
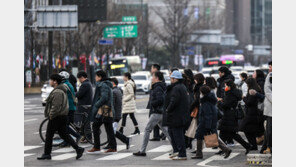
point(168, 95)
point(128, 100)
point(228, 121)
point(268, 96)
point(252, 121)
point(178, 114)
point(207, 116)
point(117, 102)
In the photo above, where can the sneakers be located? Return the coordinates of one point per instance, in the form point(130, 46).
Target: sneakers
point(79, 152)
point(110, 150)
point(94, 151)
point(44, 157)
point(172, 155)
point(179, 158)
point(139, 154)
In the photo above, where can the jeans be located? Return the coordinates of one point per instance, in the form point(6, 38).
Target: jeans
point(177, 140)
point(132, 116)
point(154, 120)
point(59, 124)
point(109, 130)
point(226, 135)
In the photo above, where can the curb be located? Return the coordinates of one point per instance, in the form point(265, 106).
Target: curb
point(35, 90)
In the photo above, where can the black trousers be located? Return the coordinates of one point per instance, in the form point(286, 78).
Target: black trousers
point(252, 139)
point(109, 130)
point(226, 135)
point(71, 120)
point(178, 141)
point(132, 116)
point(59, 124)
point(156, 134)
point(268, 134)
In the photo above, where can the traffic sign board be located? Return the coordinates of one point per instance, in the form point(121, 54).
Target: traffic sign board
point(121, 31)
point(129, 18)
point(106, 42)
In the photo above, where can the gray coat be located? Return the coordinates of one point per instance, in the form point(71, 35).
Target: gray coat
point(268, 96)
point(117, 102)
point(57, 103)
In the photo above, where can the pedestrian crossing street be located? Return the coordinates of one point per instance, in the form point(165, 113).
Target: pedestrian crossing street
point(59, 154)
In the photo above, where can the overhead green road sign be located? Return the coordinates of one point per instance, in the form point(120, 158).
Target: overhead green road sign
point(129, 18)
point(121, 31)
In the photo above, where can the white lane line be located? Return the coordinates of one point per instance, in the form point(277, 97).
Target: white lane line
point(26, 148)
point(37, 133)
point(26, 155)
point(33, 108)
point(163, 148)
point(68, 149)
point(135, 134)
point(117, 156)
point(215, 158)
point(63, 156)
point(209, 150)
point(141, 111)
point(29, 120)
point(163, 157)
point(32, 105)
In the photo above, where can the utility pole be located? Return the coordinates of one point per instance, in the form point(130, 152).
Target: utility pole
point(50, 36)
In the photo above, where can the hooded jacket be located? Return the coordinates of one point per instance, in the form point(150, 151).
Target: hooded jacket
point(207, 116)
point(156, 98)
point(103, 96)
point(70, 93)
point(221, 83)
point(228, 121)
point(128, 100)
point(57, 103)
point(178, 114)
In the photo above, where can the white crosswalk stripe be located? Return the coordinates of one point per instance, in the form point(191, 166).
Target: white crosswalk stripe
point(163, 148)
point(27, 155)
point(216, 157)
point(30, 120)
point(68, 149)
point(116, 156)
point(26, 148)
point(163, 157)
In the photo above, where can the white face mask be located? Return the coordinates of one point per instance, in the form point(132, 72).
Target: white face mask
point(201, 96)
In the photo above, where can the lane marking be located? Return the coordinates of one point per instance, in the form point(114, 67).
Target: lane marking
point(63, 156)
point(215, 158)
point(34, 108)
point(26, 155)
point(163, 148)
point(163, 157)
point(117, 156)
point(141, 111)
point(68, 149)
point(135, 134)
point(26, 148)
point(123, 147)
point(29, 120)
point(37, 133)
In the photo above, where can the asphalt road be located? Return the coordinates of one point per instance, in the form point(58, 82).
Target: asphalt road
point(157, 152)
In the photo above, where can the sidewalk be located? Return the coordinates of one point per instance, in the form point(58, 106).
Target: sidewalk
point(34, 90)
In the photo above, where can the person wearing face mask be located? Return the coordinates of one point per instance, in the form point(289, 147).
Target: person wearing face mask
point(228, 124)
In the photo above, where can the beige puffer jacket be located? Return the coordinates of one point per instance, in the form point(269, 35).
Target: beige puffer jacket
point(128, 100)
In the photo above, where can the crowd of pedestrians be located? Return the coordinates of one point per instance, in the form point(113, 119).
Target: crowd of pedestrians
point(191, 107)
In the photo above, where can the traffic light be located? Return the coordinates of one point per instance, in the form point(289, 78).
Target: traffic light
point(89, 10)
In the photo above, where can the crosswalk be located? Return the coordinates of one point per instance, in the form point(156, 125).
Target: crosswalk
point(30, 106)
point(162, 151)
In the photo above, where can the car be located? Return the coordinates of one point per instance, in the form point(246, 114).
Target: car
point(165, 72)
point(167, 79)
point(143, 81)
point(250, 70)
point(206, 71)
point(45, 91)
point(236, 68)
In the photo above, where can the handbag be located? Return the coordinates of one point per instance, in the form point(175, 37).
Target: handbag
point(192, 129)
point(211, 140)
point(104, 111)
point(194, 112)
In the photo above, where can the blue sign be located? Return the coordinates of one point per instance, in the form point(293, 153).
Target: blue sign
point(106, 42)
point(238, 51)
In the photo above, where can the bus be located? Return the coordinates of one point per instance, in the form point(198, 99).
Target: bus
point(212, 62)
point(119, 66)
point(232, 60)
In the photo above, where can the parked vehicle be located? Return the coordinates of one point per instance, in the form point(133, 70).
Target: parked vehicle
point(45, 91)
point(143, 81)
